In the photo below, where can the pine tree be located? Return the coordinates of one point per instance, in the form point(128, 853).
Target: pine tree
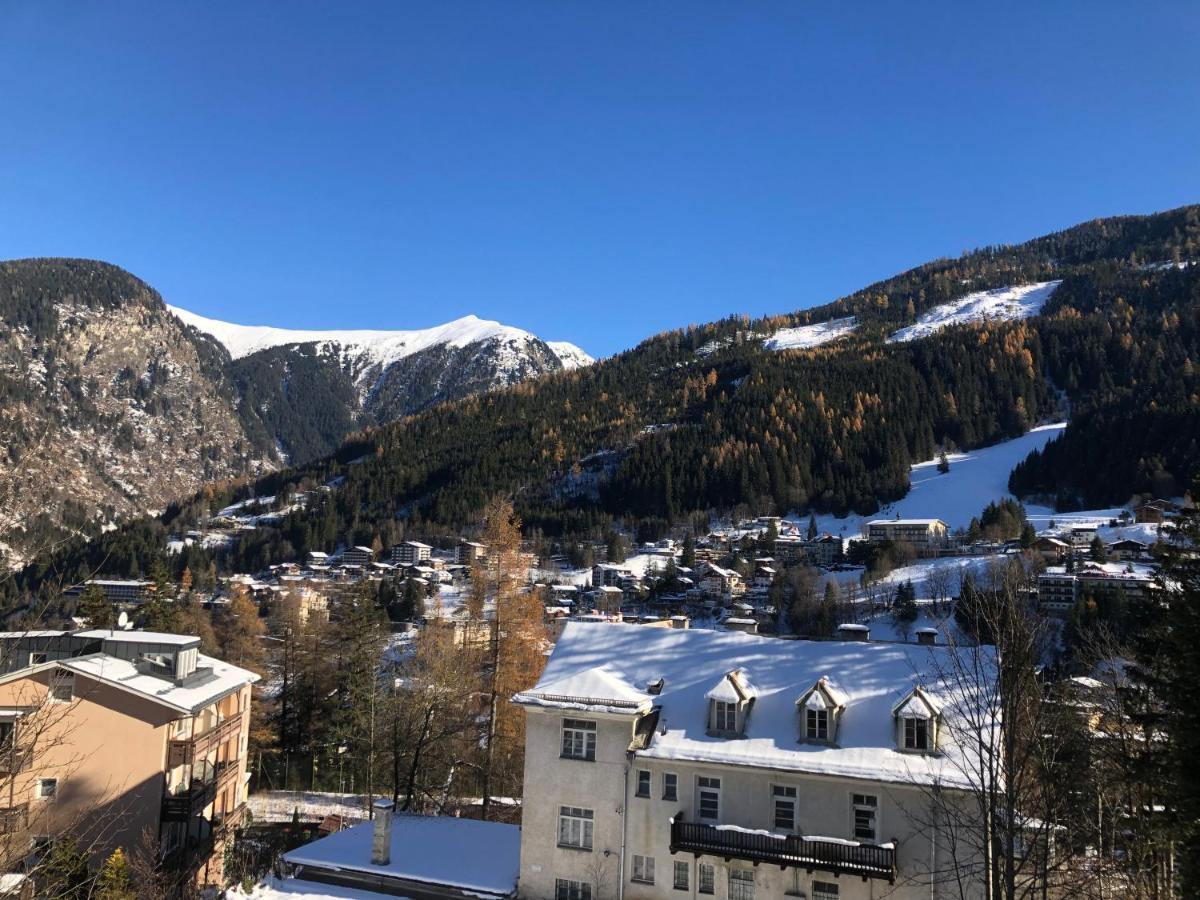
point(811, 534)
point(95, 607)
point(1098, 550)
point(115, 881)
point(943, 465)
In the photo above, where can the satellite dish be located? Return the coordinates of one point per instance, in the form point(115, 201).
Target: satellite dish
point(123, 620)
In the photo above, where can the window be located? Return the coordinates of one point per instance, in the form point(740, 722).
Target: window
point(817, 724)
point(784, 798)
point(575, 827)
point(571, 890)
point(579, 739)
point(62, 687)
point(8, 728)
point(741, 884)
point(643, 869)
point(36, 659)
point(680, 881)
point(824, 890)
point(643, 783)
point(724, 717)
point(47, 788)
point(706, 878)
point(670, 786)
point(916, 734)
point(865, 807)
point(708, 798)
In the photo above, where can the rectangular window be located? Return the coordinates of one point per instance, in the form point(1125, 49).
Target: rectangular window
point(824, 890)
point(571, 890)
point(785, 807)
point(670, 786)
point(575, 827)
point(579, 739)
point(741, 884)
point(62, 687)
point(724, 716)
point(706, 878)
point(643, 783)
point(865, 807)
point(47, 788)
point(708, 798)
point(680, 880)
point(916, 734)
point(818, 724)
point(36, 659)
point(643, 869)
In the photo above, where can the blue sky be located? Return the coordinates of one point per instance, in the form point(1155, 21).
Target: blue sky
point(595, 172)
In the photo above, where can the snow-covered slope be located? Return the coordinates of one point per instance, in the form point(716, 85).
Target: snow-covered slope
point(975, 479)
point(379, 347)
point(569, 355)
point(807, 336)
point(1016, 302)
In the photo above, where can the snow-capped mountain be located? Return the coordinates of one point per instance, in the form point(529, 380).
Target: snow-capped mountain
point(311, 387)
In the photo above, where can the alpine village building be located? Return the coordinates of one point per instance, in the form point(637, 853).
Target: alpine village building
point(127, 739)
point(667, 763)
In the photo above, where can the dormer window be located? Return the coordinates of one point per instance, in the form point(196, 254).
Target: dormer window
point(816, 724)
point(729, 703)
point(917, 717)
point(820, 709)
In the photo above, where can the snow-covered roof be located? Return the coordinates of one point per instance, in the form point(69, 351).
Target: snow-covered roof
point(870, 677)
point(925, 522)
point(139, 637)
point(823, 694)
point(598, 688)
point(191, 697)
point(418, 545)
point(734, 687)
point(469, 854)
point(918, 704)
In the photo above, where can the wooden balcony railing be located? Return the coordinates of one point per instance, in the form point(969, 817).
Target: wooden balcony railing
point(190, 749)
point(14, 818)
point(191, 801)
point(799, 851)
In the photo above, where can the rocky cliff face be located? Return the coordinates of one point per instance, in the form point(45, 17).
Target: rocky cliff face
point(108, 405)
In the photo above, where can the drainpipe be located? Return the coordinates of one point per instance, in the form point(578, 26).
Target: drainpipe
point(624, 826)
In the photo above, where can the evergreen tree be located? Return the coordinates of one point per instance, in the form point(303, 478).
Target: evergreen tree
point(943, 464)
point(95, 607)
point(811, 533)
point(63, 873)
point(115, 881)
point(1098, 550)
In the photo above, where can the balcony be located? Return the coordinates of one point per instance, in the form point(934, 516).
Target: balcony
point(183, 752)
point(191, 801)
point(798, 851)
point(14, 818)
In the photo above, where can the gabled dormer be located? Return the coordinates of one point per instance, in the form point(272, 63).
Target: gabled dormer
point(820, 710)
point(918, 721)
point(729, 702)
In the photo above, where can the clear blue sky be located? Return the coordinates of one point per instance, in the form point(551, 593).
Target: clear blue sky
point(594, 172)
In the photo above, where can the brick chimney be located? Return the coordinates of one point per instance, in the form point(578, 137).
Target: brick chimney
point(381, 841)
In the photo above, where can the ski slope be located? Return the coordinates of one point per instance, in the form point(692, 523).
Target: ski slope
point(808, 336)
point(1017, 302)
point(975, 479)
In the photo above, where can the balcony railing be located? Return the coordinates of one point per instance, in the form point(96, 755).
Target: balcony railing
point(799, 851)
point(189, 749)
point(14, 818)
point(192, 800)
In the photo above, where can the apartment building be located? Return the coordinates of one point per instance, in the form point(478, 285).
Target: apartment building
point(126, 591)
point(470, 551)
point(924, 535)
point(411, 553)
point(665, 763)
point(119, 738)
point(1058, 589)
point(358, 556)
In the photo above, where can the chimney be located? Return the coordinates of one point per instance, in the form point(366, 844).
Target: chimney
point(927, 636)
point(852, 632)
point(381, 842)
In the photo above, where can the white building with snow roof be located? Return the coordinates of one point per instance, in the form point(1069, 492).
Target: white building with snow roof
point(692, 763)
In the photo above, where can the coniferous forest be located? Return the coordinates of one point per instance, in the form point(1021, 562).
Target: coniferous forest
point(705, 419)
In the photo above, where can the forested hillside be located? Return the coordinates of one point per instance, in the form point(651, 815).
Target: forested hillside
point(707, 419)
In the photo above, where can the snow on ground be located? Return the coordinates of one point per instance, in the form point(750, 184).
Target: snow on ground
point(569, 355)
point(919, 573)
point(383, 347)
point(279, 806)
point(1016, 302)
point(975, 479)
point(295, 889)
point(807, 336)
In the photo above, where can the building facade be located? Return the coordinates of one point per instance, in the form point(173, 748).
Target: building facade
point(121, 738)
point(658, 767)
point(924, 535)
